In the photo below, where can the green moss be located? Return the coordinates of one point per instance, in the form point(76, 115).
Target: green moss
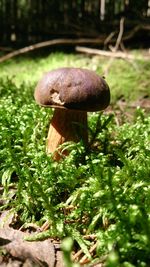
point(103, 189)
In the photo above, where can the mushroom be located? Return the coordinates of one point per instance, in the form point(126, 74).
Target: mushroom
point(72, 92)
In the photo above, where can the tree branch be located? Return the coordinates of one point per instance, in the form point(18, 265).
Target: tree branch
point(80, 41)
point(115, 48)
point(50, 43)
point(116, 54)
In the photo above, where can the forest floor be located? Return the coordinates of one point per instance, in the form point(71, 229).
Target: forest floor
point(130, 108)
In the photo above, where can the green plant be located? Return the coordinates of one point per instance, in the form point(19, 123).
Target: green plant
point(102, 190)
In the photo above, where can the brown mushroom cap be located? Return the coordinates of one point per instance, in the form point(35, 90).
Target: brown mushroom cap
point(73, 88)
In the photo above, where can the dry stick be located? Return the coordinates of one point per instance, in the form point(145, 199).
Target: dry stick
point(50, 43)
point(119, 35)
point(116, 46)
point(45, 226)
point(109, 38)
point(77, 255)
point(73, 42)
point(118, 54)
point(114, 49)
point(114, 53)
point(84, 259)
point(135, 30)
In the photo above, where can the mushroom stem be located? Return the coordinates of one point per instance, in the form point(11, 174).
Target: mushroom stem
point(66, 125)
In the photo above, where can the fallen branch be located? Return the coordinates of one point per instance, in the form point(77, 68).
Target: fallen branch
point(136, 29)
point(80, 41)
point(117, 54)
point(119, 38)
point(109, 38)
point(50, 43)
point(116, 47)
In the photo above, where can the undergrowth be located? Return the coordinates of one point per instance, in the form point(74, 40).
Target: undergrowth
point(101, 190)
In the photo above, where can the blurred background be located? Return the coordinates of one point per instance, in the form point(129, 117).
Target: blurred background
point(110, 37)
point(25, 22)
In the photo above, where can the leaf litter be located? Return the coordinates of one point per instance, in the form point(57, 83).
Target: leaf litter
point(25, 253)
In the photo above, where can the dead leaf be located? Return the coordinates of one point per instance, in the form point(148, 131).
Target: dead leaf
point(42, 253)
point(6, 218)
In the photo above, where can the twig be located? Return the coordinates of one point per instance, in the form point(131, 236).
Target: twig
point(109, 38)
point(77, 255)
point(114, 49)
point(84, 259)
point(136, 29)
point(80, 41)
point(45, 226)
point(117, 54)
point(119, 35)
point(50, 43)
